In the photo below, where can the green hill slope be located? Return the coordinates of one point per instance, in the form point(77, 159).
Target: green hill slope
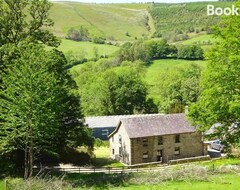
point(111, 21)
point(176, 19)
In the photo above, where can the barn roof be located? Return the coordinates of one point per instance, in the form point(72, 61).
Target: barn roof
point(109, 121)
point(155, 125)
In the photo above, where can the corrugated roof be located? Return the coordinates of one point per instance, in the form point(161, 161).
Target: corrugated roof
point(109, 121)
point(157, 125)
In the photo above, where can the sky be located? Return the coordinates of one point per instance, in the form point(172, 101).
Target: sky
point(132, 1)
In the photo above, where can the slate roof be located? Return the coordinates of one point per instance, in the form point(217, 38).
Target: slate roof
point(156, 125)
point(109, 121)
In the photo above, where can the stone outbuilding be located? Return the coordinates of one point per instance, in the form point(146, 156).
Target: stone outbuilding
point(157, 138)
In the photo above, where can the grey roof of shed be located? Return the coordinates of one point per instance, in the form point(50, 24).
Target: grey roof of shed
point(156, 125)
point(110, 121)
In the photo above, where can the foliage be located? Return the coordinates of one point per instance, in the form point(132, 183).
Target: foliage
point(110, 91)
point(133, 51)
point(219, 101)
point(178, 88)
point(78, 35)
point(160, 49)
point(190, 52)
point(98, 40)
point(15, 25)
point(39, 110)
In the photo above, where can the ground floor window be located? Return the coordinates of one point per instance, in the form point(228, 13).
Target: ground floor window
point(113, 151)
point(145, 157)
point(177, 151)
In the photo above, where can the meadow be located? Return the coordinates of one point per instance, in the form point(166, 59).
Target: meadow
point(86, 49)
point(111, 21)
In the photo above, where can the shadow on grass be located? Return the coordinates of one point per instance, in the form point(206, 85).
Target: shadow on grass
point(98, 181)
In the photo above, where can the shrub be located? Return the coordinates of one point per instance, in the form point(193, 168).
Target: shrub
point(78, 35)
point(190, 52)
point(98, 40)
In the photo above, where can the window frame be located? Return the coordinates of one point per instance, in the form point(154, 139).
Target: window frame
point(177, 139)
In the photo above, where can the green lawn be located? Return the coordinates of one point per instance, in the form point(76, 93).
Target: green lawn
point(102, 158)
point(86, 49)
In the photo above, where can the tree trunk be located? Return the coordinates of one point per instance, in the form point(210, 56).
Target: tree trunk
point(26, 168)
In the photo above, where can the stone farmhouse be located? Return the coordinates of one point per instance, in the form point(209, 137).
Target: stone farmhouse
point(157, 138)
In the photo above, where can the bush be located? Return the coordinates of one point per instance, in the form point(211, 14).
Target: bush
point(78, 35)
point(160, 49)
point(98, 40)
point(190, 52)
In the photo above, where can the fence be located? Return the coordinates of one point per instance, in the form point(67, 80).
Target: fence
point(107, 170)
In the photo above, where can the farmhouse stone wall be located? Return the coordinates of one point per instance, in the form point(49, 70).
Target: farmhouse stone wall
point(189, 145)
point(120, 146)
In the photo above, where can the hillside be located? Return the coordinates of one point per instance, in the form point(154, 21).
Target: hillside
point(172, 20)
point(111, 21)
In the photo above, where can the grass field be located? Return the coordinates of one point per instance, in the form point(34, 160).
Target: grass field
point(86, 49)
point(216, 182)
point(111, 21)
point(158, 66)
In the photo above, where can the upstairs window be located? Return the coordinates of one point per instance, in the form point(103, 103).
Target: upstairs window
point(177, 138)
point(120, 139)
point(160, 140)
point(145, 142)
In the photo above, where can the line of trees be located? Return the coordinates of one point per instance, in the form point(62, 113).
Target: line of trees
point(158, 49)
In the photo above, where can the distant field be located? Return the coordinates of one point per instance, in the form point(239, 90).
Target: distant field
point(86, 49)
point(111, 21)
point(201, 40)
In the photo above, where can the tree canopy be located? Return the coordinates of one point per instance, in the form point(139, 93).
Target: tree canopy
point(219, 101)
